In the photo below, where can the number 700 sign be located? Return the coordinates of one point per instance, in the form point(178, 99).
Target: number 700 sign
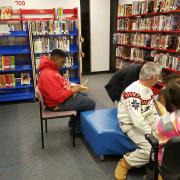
point(20, 3)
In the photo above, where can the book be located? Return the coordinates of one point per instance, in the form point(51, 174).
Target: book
point(127, 9)
point(176, 5)
point(178, 44)
point(25, 78)
point(6, 12)
point(8, 62)
point(10, 80)
point(2, 81)
point(83, 87)
point(150, 6)
point(1, 66)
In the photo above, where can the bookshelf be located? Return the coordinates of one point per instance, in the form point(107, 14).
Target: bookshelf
point(149, 28)
point(18, 48)
point(15, 61)
point(60, 30)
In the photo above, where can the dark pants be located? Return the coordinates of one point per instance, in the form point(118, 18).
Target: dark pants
point(79, 102)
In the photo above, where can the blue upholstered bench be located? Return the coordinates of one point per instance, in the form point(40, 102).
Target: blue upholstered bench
point(101, 130)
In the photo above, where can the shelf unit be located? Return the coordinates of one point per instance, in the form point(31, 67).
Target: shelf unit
point(23, 49)
point(73, 50)
point(16, 44)
point(130, 27)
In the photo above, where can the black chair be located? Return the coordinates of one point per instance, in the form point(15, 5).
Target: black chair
point(45, 115)
point(170, 166)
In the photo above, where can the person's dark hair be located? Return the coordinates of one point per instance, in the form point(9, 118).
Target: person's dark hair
point(171, 77)
point(172, 95)
point(57, 53)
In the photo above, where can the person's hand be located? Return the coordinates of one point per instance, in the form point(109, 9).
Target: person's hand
point(76, 88)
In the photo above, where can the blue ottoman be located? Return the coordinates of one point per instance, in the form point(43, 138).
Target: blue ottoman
point(101, 130)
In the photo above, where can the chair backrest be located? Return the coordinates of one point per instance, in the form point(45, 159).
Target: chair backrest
point(40, 97)
point(170, 167)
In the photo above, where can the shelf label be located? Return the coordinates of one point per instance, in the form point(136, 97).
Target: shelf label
point(20, 3)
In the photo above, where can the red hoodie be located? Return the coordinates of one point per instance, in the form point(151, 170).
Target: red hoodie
point(54, 88)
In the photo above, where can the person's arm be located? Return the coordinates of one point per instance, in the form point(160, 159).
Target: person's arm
point(55, 88)
point(131, 76)
point(133, 106)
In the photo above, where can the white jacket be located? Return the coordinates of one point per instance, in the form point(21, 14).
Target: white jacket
point(136, 109)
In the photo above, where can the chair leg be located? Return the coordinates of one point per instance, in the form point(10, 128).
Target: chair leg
point(46, 125)
point(74, 127)
point(42, 134)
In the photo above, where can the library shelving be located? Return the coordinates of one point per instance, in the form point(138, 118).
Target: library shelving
point(20, 53)
point(60, 31)
point(16, 76)
point(152, 29)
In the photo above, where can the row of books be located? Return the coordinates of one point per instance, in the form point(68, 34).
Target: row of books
point(7, 62)
point(53, 27)
point(46, 44)
point(163, 22)
point(167, 61)
point(7, 80)
point(138, 55)
point(7, 28)
point(133, 54)
point(69, 61)
point(147, 6)
point(147, 40)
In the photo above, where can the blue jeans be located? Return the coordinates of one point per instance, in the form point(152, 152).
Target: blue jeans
point(79, 102)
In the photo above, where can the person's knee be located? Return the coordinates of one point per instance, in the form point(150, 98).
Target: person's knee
point(146, 152)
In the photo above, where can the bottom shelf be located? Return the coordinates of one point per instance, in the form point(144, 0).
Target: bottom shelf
point(17, 96)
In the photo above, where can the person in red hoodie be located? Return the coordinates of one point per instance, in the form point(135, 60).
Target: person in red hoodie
point(57, 92)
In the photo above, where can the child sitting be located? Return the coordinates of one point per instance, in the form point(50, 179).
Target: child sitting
point(169, 124)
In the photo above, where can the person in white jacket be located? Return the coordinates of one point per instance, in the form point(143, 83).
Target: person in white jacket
point(138, 116)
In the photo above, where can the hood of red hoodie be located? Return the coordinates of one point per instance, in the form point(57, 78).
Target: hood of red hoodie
point(46, 63)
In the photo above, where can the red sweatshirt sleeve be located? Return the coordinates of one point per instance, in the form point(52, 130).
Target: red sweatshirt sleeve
point(54, 88)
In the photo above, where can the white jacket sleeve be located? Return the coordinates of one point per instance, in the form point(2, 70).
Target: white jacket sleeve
point(133, 106)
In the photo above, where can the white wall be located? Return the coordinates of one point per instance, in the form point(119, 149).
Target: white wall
point(42, 4)
point(100, 34)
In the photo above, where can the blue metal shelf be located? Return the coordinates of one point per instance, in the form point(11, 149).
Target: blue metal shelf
point(18, 86)
point(17, 69)
point(73, 48)
point(16, 34)
point(18, 96)
point(14, 49)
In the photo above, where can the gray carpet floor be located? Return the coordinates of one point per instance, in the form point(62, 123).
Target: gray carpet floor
point(21, 156)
